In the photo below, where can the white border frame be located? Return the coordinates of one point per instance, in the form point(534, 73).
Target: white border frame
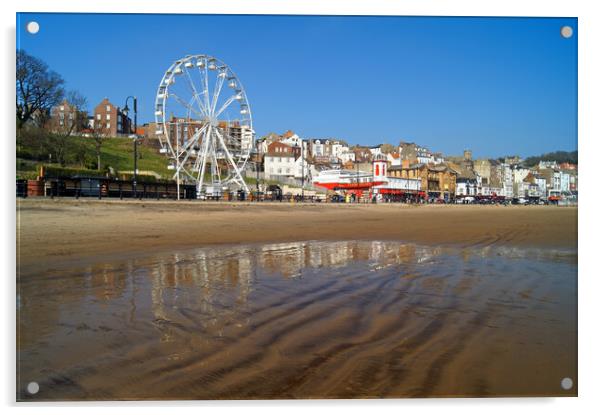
point(590, 134)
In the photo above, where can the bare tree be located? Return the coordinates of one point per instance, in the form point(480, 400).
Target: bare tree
point(387, 148)
point(100, 132)
point(67, 118)
point(38, 88)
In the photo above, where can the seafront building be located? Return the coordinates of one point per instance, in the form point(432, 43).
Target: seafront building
point(409, 171)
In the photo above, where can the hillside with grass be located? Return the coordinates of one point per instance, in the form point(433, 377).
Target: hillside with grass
point(116, 155)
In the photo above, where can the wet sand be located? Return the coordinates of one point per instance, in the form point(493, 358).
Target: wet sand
point(303, 320)
point(54, 231)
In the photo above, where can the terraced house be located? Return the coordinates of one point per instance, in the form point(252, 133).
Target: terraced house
point(437, 181)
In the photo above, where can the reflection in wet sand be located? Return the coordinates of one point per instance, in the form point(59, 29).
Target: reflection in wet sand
point(302, 320)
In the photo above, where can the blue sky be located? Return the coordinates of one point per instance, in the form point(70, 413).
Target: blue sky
point(495, 85)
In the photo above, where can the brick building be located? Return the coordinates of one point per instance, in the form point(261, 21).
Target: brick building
point(182, 129)
point(438, 181)
point(66, 118)
point(110, 121)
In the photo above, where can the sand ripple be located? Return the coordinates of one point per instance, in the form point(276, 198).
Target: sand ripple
point(303, 320)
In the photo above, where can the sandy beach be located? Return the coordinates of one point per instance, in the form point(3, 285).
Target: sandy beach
point(54, 231)
point(147, 300)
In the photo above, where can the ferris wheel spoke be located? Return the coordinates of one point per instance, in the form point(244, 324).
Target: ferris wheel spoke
point(180, 170)
point(205, 78)
point(226, 105)
point(188, 173)
point(191, 141)
point(181, 164)
point(201, 177)
point(195, 93)
point(216, 92)
point(197, 163)
point(182, 149)
point(215, 176)
point(231, 160)
point(185, 104)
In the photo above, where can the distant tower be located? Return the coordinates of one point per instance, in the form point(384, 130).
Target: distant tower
point(467, 154)
point(379, 168)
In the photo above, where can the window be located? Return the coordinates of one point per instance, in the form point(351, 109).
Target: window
point(62, 108)
point(108, 108)
point(108, 116)
point(108, 126)
point(61, 122)
point(98, 117)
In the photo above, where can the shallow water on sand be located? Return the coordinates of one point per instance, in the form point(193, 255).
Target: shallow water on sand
point(302, 320)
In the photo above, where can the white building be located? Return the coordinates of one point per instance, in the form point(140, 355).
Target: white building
point(541, 185)
point(519, 174)
point(553, 185)
point(279, 165)
point(425, 157)
point(565, 182)
point(520, 187)
point(466, 188)
point(303, 168)
point(375, 151)
point(507, 180)
point(317, 147)
point(347, 156)
point(337, 149)
point(468, 183)
point(394, 185)
point(394, 159)
point(247, 136)
point(534, 185)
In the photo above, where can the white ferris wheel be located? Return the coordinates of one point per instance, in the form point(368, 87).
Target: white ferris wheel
point(204, 123)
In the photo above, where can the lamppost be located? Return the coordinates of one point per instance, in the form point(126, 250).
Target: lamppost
point(357, 169)
point(125, 111)
point(302, 172)
point(257, 165)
